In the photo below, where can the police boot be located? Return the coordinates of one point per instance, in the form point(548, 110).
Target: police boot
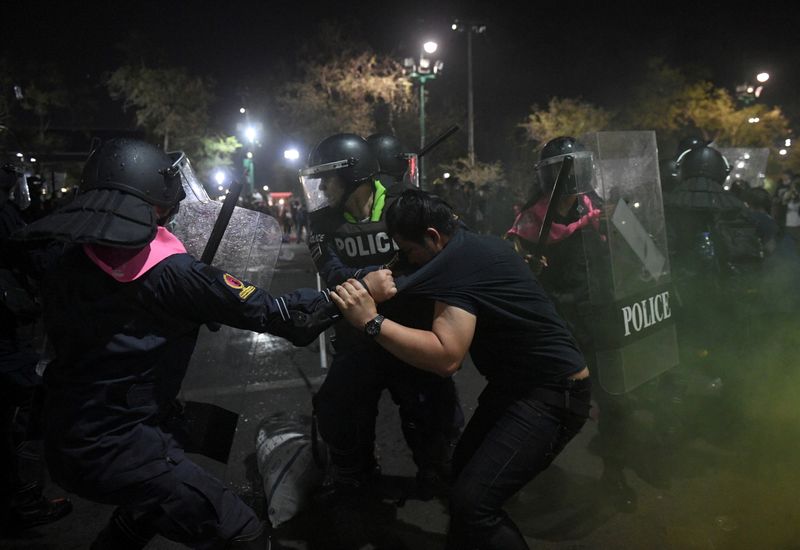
point(347, 476)
point(123, 532)
point(30, 508)
point(260, 540)
point(616, 487)
point(433, 455)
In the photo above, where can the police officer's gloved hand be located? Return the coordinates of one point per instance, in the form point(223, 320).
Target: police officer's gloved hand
point(304, 314)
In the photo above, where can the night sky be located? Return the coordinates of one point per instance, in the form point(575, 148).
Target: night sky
point(526, 56)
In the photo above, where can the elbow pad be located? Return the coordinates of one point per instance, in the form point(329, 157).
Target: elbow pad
point(302, 315)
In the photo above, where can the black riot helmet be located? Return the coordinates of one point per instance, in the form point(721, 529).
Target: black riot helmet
point(348, 157)
point(123, 179)
point(703, 162)
point(391, 154)
point(689, 142)
point(137, 168)
point(552, 157)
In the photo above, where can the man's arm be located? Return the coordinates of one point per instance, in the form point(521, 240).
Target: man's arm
point(440, 350)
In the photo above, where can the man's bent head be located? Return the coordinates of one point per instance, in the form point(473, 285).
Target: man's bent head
point(421, 224)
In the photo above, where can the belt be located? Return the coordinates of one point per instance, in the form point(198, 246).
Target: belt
point(561, 399)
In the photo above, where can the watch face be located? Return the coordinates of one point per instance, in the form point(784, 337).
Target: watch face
point(373, 327)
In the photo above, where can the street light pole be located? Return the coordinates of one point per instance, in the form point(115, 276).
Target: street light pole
point(470, 114)
point(469, 28)
point(422, 136)
point(423, 69)
point(422, 127)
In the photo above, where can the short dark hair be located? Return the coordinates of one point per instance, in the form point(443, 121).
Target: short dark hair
point(758, 197)
point(415, 211)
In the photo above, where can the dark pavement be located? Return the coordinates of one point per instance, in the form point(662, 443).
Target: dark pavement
point(722, 476)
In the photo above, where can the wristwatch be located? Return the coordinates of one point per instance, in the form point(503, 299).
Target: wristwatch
point(373, 328)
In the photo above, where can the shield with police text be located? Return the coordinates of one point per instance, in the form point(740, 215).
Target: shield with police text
point(227, 362)
point(630, 290)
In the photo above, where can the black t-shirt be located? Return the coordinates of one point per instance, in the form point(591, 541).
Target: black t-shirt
point(520, 341)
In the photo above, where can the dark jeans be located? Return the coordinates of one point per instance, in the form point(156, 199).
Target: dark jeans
point(347, 407)
point(508, 441)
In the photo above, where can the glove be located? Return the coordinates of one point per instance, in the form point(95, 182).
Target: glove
point(304, 314)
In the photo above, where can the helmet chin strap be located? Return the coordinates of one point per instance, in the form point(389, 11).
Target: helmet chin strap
point(360, 204)
point(166, 219)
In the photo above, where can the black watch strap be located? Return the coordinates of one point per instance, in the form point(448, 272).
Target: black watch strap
point(372, 328)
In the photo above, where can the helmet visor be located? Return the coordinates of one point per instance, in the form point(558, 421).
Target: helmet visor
point(317, 183)
point(192, 187)
point(315, 197)
point(18, 192)
point(580, 179)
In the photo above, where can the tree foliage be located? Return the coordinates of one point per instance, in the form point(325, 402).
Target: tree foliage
point(564, 117)
point(343, 86)
point(345, 94)
point(34, 98)
point(214, 152)
point(169, 102)
point(43, 99)
point(482, 173)
point(674, 106)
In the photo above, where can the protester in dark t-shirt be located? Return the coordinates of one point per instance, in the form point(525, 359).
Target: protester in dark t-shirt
point(487, 303)
point(520, 340)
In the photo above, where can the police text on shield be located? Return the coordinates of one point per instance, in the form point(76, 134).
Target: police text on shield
point(646, 313)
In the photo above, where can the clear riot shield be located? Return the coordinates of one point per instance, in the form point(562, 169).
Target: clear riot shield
point(18, 192)
point(226, 361)
point(747, 163)
point(630, 290)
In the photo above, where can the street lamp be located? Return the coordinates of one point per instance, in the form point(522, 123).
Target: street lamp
point(469, 28)
point(423, 69)
point(747, 93)
point(219, 177)
point(251, 132)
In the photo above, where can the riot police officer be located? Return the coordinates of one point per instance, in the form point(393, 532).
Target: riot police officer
point(351, 182)
point(123, 305)
point(22, 504)
point(391, 155)
point(576, 232)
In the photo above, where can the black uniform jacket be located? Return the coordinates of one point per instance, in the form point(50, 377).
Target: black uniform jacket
point(121, 352)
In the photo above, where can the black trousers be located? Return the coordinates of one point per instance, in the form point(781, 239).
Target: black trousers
point(18, 383)
point(186, 504)
point(347, 407)
point(509, 440)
